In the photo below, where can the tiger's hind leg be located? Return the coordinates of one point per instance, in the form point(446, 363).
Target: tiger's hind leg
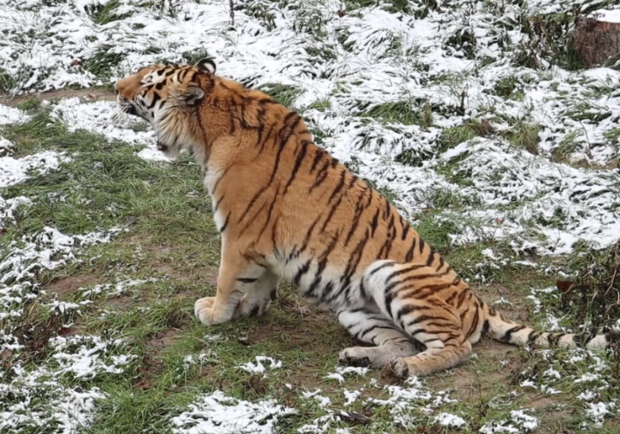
point(369, 325)
point(414, 297)
point(443, 352)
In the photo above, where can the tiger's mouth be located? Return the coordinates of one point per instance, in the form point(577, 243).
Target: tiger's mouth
point(128, 108)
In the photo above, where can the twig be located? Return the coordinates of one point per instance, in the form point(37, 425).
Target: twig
point(232, 12)
point(589, 150)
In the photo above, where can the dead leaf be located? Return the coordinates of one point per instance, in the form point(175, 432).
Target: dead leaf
point(563, 285)
point(6, 354)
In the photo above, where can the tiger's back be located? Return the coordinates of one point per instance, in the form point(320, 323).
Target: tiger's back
point(287, 209)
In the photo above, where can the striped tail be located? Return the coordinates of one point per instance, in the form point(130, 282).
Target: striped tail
point(505, 330)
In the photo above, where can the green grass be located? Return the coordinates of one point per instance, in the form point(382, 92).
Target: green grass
point(172, 240)
point(282, 93)
point(525, 136)
point(413, 112)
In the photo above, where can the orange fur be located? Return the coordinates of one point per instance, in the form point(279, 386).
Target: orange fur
point(287, 209)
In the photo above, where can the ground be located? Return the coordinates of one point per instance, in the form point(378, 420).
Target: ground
point(504, 159)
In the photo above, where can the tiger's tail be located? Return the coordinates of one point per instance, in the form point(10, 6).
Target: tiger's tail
point(507, 331)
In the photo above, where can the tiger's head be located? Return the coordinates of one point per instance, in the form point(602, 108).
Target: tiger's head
point(166, 96)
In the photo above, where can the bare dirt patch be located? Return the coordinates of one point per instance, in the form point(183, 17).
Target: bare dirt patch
point(64, 286)
point(162, 340)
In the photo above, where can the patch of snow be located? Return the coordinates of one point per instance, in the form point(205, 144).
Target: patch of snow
point(11, 115)
point(9, 207)
point(113, 290)
point(33, 397)
point(608, 16)
point(259, 367)
point(323, 401)
point(220, 414)
point(103, 117)
point(449, 420)
point(597, 411)
point(518, 423)
point(16, 170)
point(342, 371)
point(351, 396)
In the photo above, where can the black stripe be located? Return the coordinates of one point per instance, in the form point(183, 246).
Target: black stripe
point(403, 271)
point(359, 210)
point(407, 309)
point(409, 255)
point(331, 213)
point(485, 327)
point(268, 220)
point(387, 264)
point(339, 186)
point(441, 263)
point(533, 336)
point(262, 146)
point(581, 339)
point(461, 298)
point(225, 223)
point(246, 279)
point(420, 319)
point(156, 98)
point(298, 161)
point(219, 179)
point(405, 231)
point(277, 162)
point(317, 157)
point(508, 334)
point(474, 324)
point(374, 223)
point(416, 292)
point(421, 245)
point(321, 176)
point(430, 259)
point(302, 270)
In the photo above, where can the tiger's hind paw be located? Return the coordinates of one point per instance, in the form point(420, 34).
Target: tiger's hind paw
point(399, 368)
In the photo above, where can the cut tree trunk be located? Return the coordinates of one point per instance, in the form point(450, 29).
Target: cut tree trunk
point(596, 38)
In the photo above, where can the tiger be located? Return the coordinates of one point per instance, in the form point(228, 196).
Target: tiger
point(286, 209)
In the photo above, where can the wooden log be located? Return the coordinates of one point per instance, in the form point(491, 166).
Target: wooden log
point(596, 38)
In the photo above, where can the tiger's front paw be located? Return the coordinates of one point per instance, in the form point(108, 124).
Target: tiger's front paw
point(356, 356)
point(203, 309)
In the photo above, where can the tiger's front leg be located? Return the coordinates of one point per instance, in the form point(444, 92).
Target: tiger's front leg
point(237, 291)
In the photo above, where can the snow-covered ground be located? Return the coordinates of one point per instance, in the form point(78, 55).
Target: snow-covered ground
point(460, 63)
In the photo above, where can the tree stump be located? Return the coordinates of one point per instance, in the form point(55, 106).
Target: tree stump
point(596, 38)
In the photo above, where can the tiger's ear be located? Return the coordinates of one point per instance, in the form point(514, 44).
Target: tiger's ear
point(193, 95)
point(206, 65)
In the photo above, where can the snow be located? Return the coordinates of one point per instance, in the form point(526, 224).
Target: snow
point(217, 413)
point(342, 371)
point(449, 420)
point(16, 170)
point(518, 423)
point(350, 63)
point(103, 117)
point(609, 16)
point(11, 115)
point(355, 62)
point(258, 367)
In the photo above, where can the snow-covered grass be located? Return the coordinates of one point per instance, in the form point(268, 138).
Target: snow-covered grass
point(468, 115)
